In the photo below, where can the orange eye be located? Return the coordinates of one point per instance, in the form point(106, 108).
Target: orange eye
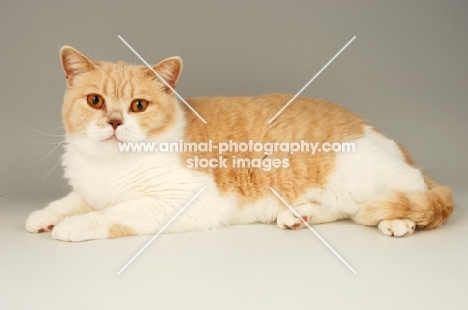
point(139, 105)
point(95, 101)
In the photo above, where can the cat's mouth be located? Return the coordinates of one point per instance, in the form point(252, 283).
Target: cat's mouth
point(112, 138)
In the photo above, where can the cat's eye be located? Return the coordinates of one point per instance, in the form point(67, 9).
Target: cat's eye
point(95, 101)
point(139, 105)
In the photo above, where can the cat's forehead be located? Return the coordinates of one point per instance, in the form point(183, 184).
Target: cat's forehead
point(121, 80)
point(121, 68)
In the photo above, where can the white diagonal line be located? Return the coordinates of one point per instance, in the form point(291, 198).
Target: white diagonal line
point(161, 230)
point(162, 80)
point(313, 230)
point(311, 80)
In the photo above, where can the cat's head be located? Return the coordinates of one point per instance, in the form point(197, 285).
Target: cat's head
point(107, 103)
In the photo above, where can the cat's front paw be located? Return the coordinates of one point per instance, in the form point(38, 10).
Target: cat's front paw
point(42, 221)
point(287, 220)
point(397, 228)
point(80, 228)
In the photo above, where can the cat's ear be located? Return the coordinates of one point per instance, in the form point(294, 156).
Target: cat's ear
point(169, 69)
point(74, 63)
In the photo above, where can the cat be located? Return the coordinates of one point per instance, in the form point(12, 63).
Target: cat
point(116, 193)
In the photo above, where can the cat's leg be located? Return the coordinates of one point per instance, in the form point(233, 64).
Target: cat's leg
point(411, 204)
point(390, 213)
point(312, 213)
point(142, 216)
point(315, 214)
point(45, 219)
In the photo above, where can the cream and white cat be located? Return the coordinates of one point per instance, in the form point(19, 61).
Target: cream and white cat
point(118, 194)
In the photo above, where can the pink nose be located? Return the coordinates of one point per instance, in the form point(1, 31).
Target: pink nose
point(115, 123)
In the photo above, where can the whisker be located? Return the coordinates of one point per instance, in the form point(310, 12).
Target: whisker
point(50, 171)
point(57, 128)
point(50, 152)
point(151, 54)
point(43, 133)
point(46, 143)
point(95, 52)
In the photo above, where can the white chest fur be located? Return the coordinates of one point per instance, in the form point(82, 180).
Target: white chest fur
point(103, 182)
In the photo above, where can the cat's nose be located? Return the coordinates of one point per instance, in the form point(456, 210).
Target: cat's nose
point(115, 123)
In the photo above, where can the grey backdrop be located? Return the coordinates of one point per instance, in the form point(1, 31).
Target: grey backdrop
point(407, 71)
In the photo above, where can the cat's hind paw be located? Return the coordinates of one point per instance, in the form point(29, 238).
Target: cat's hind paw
point(397, 227)
point(287, 220)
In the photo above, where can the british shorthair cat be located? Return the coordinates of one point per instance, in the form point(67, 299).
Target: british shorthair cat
point(240, 156)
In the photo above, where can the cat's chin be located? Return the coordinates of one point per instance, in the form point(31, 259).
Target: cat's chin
point(95, 148)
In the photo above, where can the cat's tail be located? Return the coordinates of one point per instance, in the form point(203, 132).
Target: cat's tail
point(428, 209)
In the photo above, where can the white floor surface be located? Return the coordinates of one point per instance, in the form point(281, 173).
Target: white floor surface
point(237, 267)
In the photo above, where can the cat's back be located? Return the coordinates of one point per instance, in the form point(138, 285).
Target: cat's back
point(246, 118)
